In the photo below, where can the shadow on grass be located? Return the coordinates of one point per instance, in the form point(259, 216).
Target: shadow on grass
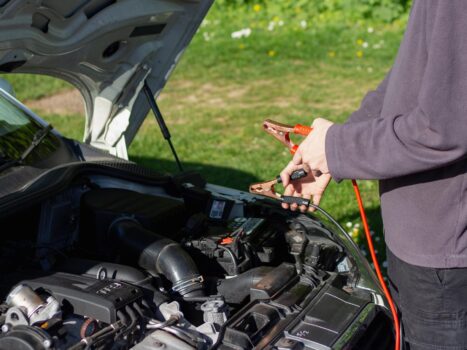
point(212, 173)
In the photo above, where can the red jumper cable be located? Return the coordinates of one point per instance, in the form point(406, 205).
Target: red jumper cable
point(282, 133)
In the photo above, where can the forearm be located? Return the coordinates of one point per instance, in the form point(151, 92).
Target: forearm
point(393, 147)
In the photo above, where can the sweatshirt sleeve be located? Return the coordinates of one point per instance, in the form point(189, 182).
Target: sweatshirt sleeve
point(371, 104)
point(430, 136)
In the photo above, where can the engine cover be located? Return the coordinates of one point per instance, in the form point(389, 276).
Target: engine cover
point(98, 299)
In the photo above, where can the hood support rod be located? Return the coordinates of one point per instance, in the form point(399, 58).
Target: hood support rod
point(160, 120)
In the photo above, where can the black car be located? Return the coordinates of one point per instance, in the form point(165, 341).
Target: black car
point(98, 252)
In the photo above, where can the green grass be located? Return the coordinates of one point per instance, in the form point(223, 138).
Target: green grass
point(223, 89)
point(31, 87)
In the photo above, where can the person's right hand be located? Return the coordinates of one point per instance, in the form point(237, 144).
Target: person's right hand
point(311, 187)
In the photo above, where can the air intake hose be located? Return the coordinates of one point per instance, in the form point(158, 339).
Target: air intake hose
point(237, 289)
point(158, 255)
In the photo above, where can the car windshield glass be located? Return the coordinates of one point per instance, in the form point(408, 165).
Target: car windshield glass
point(17, 130)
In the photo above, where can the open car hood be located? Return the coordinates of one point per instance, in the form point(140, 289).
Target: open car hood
point(106, 48)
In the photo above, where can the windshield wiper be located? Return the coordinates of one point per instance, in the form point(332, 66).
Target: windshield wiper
point(36, 141)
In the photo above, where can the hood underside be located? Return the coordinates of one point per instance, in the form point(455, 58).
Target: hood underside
point(106, 48)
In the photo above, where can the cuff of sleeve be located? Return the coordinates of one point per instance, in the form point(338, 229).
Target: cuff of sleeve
point(332, 152)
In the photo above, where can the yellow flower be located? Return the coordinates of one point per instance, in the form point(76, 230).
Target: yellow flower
point(359, 53)
point(276, 19)
point(332, 54)
point(272, 53)
point(360, 42)
point(355, 233)
point(257, 7)
point(241, 46)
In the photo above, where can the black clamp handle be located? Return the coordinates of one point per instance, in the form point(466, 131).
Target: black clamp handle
point(295, 200)
point(296, 175)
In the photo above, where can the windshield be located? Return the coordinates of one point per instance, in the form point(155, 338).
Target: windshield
point(17, 130)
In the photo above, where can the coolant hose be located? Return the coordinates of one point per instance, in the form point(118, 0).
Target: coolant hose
point(237, 289)
point(158, 255)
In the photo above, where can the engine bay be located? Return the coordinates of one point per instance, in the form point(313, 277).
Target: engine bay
point(113, 264)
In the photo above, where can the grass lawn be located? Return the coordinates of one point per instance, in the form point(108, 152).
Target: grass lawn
point(223, 89)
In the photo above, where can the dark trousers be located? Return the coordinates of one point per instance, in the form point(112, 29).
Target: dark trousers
point(432, 303)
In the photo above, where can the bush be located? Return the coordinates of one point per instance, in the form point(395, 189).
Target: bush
point(379, 10)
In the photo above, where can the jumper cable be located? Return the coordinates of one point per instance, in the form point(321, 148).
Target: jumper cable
point(267, 189)
point(282, 133)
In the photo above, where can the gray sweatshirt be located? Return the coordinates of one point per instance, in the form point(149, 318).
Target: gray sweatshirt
point(411, 134)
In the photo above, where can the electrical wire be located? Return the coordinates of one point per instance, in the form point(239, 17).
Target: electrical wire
point(232, 256)
point(371, 248)
point(94, 338)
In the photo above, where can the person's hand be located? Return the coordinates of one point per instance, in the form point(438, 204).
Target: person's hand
point(310, 187)
point(310, 156)
point(312, 150)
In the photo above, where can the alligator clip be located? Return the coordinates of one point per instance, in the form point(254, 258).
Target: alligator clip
point(266, 189)
point(282, 132)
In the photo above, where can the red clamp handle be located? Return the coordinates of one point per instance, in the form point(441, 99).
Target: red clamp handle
point(303, 130)
point(282, 132)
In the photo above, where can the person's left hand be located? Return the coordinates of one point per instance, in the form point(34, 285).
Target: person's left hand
point(311, 151)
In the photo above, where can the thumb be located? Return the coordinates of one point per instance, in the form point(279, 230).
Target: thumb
point(297, 157)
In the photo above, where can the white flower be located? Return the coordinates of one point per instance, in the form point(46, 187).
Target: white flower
point(271, 26)
point(364, 44)
point(207, 36)
point(348, 224)
point(303, 24)
point(205, 23)
point(242, 33)
point(371, 30)
point(385, 264)
point(280, 23)
point(370, 69)
point(376, 46)
point(236, 35)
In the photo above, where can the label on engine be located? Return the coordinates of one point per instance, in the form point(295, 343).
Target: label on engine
point(217, 209)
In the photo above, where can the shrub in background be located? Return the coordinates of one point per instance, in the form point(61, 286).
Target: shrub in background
point(379, 10)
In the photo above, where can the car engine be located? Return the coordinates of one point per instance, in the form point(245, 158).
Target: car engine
point(109, 263)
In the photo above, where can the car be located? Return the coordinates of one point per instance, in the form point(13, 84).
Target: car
point(98, 252)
